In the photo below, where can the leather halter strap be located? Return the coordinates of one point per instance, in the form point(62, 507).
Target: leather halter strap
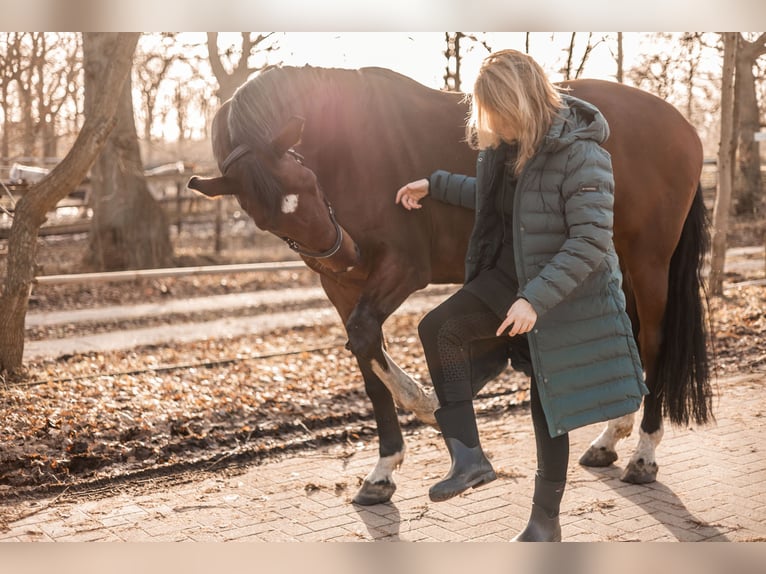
point(240, 151)
point(292, 244)
point(235, 154)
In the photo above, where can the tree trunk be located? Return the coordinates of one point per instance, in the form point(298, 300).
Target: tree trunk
point(28, 136)
point(620, 59)
point(50, 140)
point(748, 200)
point(452, 80)
point(228, 82)
point(5, 144)
point(129, 229)
point(32, 208)
point(726, 152)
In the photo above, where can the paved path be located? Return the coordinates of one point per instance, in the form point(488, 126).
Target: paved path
point(710, 487)
point(710, 483)
point(256, 316)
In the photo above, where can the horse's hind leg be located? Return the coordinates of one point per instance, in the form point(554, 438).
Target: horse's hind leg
point(642, 467)
point(603, 451)
point(650, 291)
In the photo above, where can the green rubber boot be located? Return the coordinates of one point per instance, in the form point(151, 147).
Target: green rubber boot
point(470, 467)
point(544, 525)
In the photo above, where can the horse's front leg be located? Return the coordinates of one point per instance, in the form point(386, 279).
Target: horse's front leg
point(379, 486)
point(364, 328)
point(363, 312)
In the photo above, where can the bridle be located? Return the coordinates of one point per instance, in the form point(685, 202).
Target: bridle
point(242, 150)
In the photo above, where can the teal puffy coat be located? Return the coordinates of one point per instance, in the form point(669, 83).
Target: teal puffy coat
point(583, 351)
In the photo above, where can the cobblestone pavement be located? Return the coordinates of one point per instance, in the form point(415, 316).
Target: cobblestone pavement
point(710, 487)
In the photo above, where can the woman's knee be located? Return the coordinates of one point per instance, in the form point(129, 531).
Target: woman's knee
point(430, 325)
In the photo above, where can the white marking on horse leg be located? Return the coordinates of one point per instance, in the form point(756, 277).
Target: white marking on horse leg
point(615, 431)
point(289, 203)
point(407, 392)
point(647, 446)
point(384, 469)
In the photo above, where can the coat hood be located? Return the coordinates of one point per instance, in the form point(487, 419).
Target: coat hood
point(577, 120)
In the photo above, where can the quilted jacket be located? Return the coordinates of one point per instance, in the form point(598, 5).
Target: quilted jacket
point(583, 351)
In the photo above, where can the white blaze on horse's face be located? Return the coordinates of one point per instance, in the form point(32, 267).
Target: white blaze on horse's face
point(289, 203)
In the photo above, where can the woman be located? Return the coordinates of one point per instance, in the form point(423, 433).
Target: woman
point(542, 284)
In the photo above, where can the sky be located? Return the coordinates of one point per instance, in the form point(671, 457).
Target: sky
point(419, 54)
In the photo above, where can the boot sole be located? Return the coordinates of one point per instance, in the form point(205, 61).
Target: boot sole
point(485, 478)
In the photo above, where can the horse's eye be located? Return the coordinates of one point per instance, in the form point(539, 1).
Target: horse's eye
point(298, 157)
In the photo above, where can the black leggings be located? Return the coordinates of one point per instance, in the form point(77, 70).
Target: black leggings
point(463, 354)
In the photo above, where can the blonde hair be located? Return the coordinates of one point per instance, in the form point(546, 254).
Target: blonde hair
point(513, 100)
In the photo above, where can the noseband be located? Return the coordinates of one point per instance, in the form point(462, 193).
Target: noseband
point(242, 150)
point(292, 244)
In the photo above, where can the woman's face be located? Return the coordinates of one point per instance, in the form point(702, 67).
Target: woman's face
point(501, 126)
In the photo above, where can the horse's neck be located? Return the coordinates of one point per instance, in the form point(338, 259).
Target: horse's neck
point(331, 105)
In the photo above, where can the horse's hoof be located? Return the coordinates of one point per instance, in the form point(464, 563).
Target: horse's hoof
point(638, 472)
point(374, 493)
point(598, 456)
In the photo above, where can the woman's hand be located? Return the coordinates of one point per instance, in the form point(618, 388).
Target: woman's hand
point(411, 194)
point(521, 317)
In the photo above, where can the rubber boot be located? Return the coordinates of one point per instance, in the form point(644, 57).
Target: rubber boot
point(470, 467)
point(544, 525)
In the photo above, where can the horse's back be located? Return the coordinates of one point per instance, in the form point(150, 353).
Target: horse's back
point(646, 130)
point(657, 159)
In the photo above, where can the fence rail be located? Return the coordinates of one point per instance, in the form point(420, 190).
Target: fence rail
point(169, 272)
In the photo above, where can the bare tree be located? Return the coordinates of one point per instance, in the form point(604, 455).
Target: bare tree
point(231, 66)
point(454, 41)
point(675, 73)
point(38, 78)
point(452, 67)
point(654, 72)
point(571, 70)
point(151, 66)
point(129, 229)
point(32, 208)
point(691, 44)
point(9, 70)
point(726, 153)
point(748, 188)
point(56, 73)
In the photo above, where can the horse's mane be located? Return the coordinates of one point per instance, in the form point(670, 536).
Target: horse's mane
point(265, 102)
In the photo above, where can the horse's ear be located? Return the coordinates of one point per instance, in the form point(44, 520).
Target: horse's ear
point(212, 186)
point(289, 136)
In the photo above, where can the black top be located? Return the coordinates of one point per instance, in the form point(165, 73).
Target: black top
point(498, 285)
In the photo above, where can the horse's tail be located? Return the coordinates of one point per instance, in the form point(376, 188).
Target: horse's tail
point(683, 373)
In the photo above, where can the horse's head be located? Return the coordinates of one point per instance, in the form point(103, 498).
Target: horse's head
point(282, 195)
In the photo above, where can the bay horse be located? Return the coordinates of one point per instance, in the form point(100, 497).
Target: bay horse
point(316, 155)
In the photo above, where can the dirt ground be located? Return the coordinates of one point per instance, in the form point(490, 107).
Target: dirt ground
point(156, 411)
